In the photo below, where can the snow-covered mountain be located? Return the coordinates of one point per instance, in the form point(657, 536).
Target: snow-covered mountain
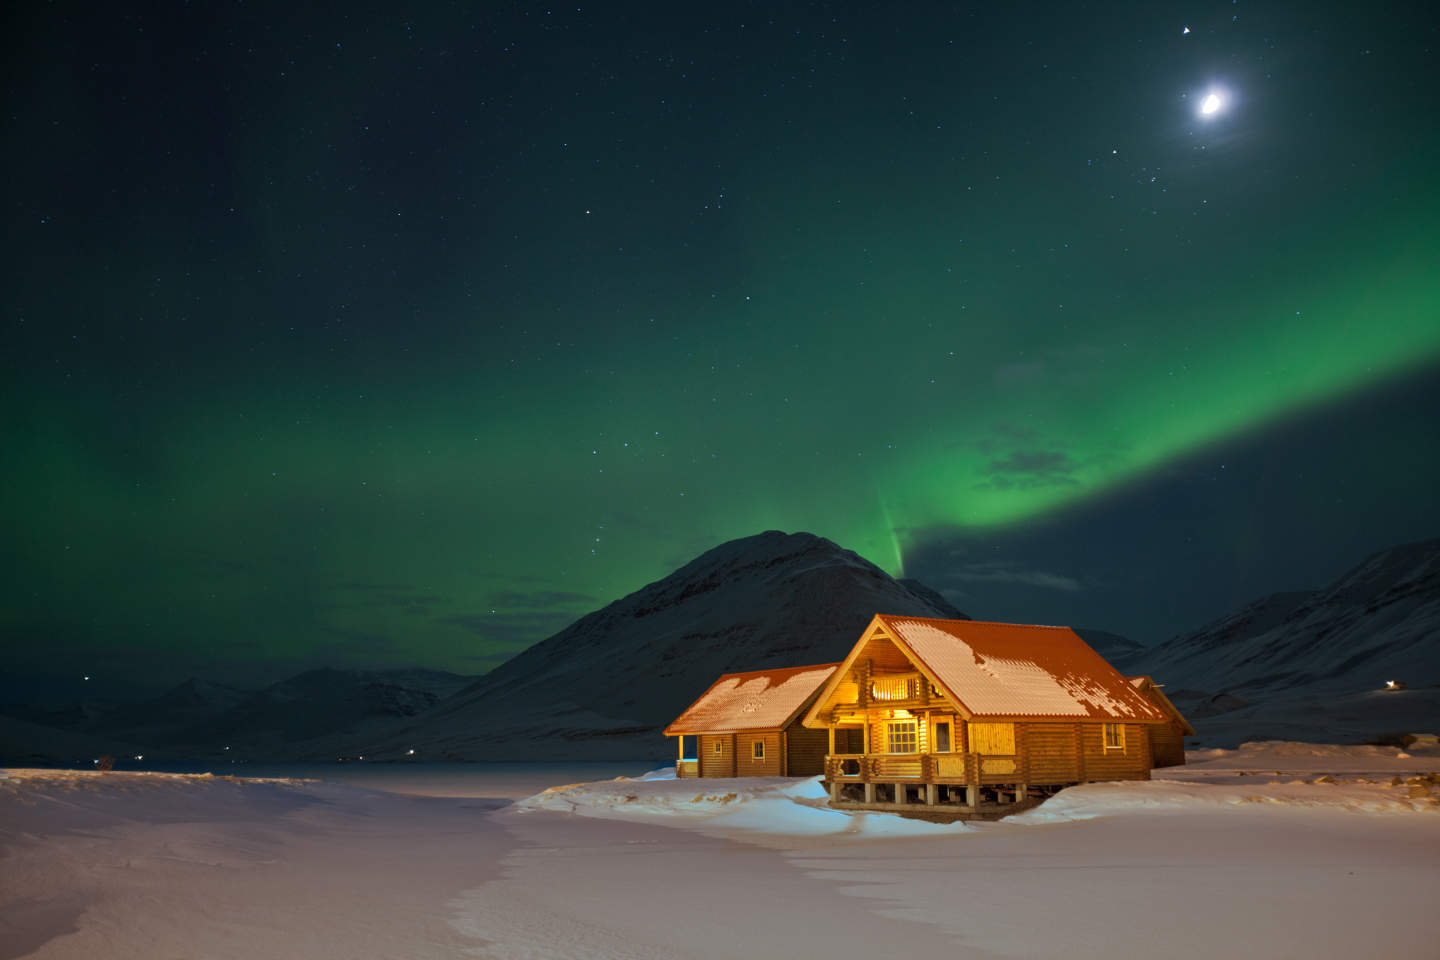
point(320, 702)
point(1314, 664)
point(607, 684)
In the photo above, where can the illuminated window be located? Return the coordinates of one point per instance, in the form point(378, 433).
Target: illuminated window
point(757, 750)
point(1114, 736)
point(942, 736)
point(901, 736)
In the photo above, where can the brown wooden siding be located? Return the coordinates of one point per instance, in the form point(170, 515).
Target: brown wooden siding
point(747, 765)
point(1051, 749)
point(713, 764)
point(1167, 744)
point(1132, 763)
point(805, 751)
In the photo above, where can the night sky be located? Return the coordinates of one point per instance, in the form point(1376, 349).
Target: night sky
point(373, 336)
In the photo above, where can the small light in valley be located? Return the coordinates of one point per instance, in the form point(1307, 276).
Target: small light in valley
point(139, 756)
point(410, 752)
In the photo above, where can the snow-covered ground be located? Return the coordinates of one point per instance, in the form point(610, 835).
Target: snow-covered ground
point(1274, 850)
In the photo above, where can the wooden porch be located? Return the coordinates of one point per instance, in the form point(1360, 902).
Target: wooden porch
point(931, 786)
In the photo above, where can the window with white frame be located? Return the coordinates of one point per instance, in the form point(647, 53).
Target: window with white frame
point(1114, 736)
point(719, 747)
point(902, 736)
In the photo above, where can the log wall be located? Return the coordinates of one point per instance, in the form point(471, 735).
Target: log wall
point(745, 763)
point(715, 763)
point(1167, 745)
point(805, 751)
point(1051, 750)
point(1132, 763)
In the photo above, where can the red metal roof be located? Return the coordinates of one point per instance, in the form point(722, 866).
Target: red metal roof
point(1021, 670)
point(757, 700)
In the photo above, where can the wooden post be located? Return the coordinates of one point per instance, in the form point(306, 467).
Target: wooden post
point(899, 789)
point(680, 756)
point(930, 790)
point(869, 792)
point(972, 796)
point(734, 754)
point(835, 787)
point(831, 728)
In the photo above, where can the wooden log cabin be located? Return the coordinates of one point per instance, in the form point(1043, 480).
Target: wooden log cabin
point(1167, 742)
point(748, 725)
point(965, 719)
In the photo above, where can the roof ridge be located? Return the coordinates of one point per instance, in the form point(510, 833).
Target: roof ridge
point(980, 623)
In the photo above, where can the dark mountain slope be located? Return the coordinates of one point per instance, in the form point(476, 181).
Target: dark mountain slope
point(607, 684)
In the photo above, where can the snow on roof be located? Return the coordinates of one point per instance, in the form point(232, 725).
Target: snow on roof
point(758, 700)
point(1021, 670)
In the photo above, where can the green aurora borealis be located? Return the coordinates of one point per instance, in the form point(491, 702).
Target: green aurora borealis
point(386, 339)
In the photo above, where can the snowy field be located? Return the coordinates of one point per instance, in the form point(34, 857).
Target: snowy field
point(1275, 850)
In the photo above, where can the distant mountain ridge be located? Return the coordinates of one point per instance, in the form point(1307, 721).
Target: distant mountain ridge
point(1316, 661)
point(1307, 665)
point(608, 683)
point(196, 719)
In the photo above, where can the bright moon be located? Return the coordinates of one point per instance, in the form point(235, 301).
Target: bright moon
point(1211, 104)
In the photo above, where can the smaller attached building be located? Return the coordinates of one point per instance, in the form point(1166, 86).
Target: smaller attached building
point(748, 725)
point(1167, 742)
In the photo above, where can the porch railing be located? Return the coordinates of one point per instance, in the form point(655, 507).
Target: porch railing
point(890, 767)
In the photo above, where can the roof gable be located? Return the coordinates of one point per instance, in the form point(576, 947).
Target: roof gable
point(876, 630)
point(757, 700)
point(1151, 689)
